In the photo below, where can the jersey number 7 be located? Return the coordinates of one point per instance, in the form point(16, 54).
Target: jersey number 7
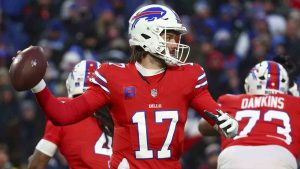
point(254, 116)
point(139, 118)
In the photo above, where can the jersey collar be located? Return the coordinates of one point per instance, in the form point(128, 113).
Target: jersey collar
point(148, 72)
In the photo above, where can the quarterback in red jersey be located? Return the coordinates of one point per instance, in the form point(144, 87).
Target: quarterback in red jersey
point(86, 144)
point(268, 135)
point(148, 98)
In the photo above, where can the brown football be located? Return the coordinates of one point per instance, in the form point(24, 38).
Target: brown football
point(28, 68)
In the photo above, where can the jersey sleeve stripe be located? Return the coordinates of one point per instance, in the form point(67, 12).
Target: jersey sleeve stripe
point(201, 81)
point(201, 85)
point(99, 81)
point(93, 80)
point(201, 77)
point(100, 76)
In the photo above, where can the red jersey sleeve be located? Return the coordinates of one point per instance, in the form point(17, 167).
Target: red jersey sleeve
point(52, 133)
point(202, 99)
point(76, 109)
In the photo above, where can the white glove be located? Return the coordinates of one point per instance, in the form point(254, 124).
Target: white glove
point(227, 124)
point(39, 87)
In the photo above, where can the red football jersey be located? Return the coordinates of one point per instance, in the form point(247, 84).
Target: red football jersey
point(264, 120)
point(149, 113)
point(83, 144)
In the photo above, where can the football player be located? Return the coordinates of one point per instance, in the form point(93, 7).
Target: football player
point(86, 144)
point(148, 98)
point(268, 135)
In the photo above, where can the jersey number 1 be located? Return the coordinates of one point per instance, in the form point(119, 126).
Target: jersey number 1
point(139, 118)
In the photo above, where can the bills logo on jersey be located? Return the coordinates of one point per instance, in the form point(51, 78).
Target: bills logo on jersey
point(129, 92)
point(149, 15)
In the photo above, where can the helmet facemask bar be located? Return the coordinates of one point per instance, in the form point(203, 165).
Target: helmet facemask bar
point(180, 54)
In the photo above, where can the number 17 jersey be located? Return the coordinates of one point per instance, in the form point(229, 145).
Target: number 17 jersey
point(149, 113)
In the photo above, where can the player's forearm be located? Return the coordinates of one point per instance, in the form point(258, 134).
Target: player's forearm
point(205, 102)
point(63, 113)
point(38, 160)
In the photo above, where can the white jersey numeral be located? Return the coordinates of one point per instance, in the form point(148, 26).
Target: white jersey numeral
point(143, 152)
point(139, 118)
point(99, 146)
point(254, 116)
point(286, 129)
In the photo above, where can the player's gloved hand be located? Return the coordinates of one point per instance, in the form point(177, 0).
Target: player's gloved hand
point(226, 124)
point(39, 87)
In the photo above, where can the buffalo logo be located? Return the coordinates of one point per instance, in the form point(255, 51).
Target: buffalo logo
point(149, 14)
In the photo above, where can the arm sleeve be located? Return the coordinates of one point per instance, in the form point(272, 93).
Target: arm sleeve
point(53, 133)
point(202, 99)
point(74, 110)
point(46, 147)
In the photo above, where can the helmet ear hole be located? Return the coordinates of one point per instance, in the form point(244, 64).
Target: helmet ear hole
point(262, 78)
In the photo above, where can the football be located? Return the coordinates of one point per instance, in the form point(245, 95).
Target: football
point(28, 68)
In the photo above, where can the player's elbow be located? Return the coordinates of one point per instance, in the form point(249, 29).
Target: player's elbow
point(59, 122)
point(62, 121)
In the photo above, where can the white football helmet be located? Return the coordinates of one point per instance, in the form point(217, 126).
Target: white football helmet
point(78, 79)
point(267, 77)
point(146, 28)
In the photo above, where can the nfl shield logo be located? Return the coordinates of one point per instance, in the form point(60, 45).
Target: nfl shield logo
point(153, 92)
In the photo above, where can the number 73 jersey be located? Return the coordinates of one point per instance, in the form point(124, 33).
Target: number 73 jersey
point(264, 120)
point(149, 113)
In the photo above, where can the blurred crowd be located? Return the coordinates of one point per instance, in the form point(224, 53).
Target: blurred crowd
point(227, 37)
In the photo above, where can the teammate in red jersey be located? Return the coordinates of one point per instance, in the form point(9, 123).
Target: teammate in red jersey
point(148, 98)
point(269, 135)
point(86, 144)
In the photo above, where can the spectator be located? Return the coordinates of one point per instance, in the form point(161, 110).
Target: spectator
point(4, 157)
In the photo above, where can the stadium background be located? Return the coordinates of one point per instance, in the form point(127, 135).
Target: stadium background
point(227, 37)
